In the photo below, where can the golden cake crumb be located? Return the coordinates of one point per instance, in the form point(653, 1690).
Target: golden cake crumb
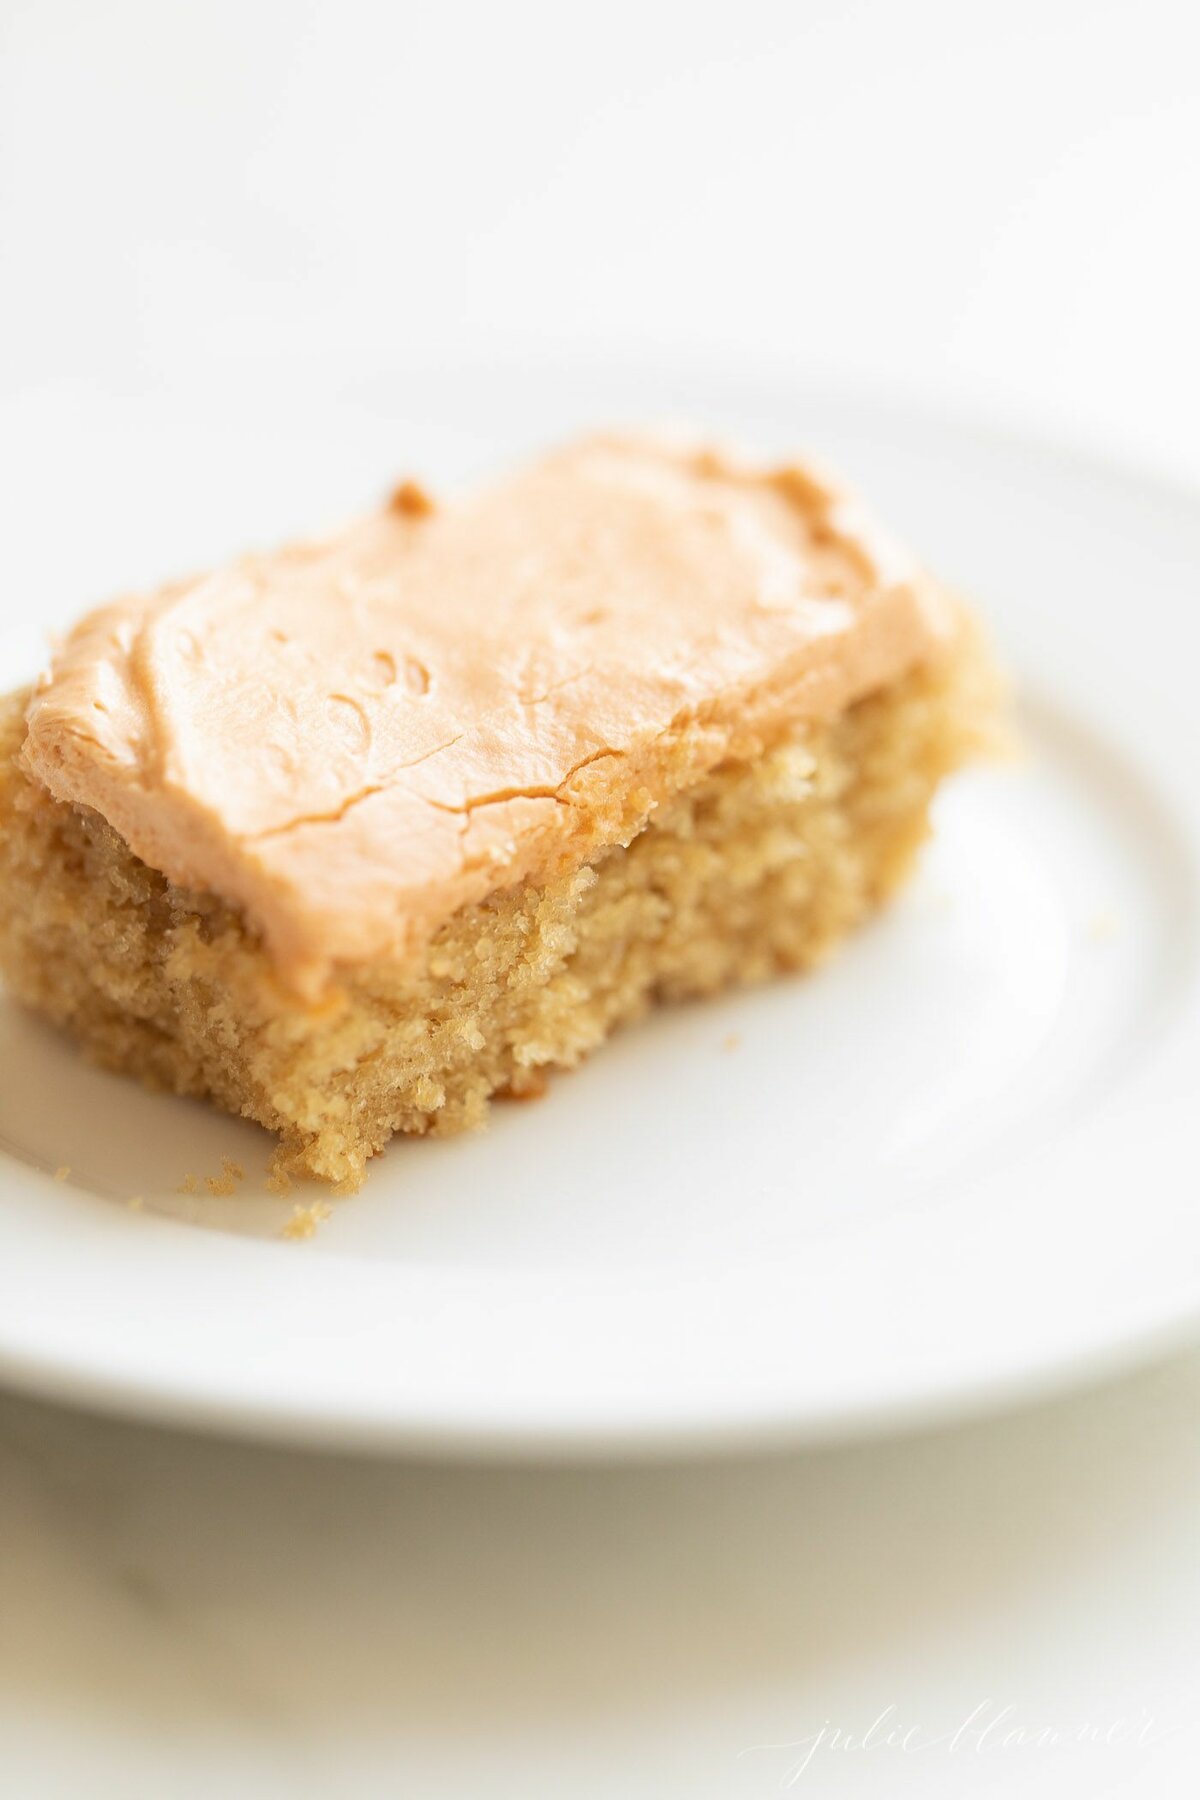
point(189, 1185)
point(226, 1182)
point(306, 1220)
point(531, 1084)
point(733, 1041)
point(61, 1173)
point(279, 1180)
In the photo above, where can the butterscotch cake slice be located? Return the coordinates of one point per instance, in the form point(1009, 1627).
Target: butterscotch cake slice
point(353, 836)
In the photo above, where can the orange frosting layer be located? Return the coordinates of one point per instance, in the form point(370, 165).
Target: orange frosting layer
point(350, 739)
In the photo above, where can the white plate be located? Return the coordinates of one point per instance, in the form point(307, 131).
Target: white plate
point(951, 1169)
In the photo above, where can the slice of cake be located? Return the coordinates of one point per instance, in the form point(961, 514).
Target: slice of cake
point(353, 836)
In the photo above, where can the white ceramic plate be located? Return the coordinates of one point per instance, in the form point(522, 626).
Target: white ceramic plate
point(953, 1168)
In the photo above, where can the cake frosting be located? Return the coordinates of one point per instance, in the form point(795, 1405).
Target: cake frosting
point(351, 738)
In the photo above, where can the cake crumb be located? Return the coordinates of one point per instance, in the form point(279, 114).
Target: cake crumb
point(61, 1173)
point(218, 1185)
point(732, 1041)
point(306, 1220)
point(279, 1179)
point(533, 1084)
point(226, 1182)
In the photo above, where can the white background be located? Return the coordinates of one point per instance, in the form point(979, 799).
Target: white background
point(992, 199)
point(993, 203)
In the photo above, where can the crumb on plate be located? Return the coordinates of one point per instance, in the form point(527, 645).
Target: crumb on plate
point(226, 1182)
point(306, 1220)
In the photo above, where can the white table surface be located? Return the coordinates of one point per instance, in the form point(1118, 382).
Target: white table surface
point(991, 203)
point(186, 1617)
